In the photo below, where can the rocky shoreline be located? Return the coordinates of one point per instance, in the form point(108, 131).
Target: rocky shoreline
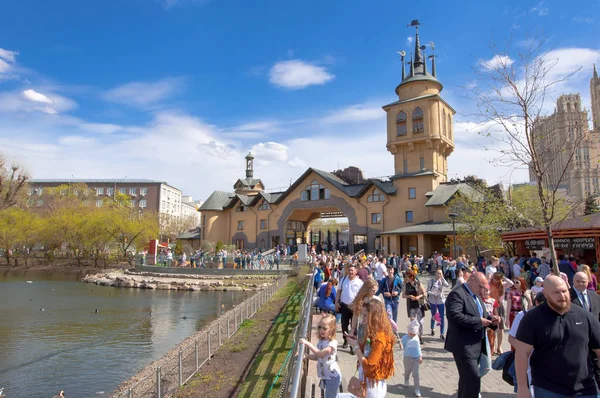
point(149, 280)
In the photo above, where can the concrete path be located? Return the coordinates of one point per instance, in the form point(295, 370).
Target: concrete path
point(439, 377)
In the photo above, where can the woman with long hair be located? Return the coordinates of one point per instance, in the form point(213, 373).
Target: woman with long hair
point(498, 286)
point(592, 282)
point(413, 293)
point(374, 345)
point(366, 292)
point(518, 299)
point(437, 298)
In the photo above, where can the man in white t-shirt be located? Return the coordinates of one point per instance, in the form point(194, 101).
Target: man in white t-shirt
point(349, 287)
point(381, 269)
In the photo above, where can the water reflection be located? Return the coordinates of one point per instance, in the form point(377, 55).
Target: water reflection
point(70, 346)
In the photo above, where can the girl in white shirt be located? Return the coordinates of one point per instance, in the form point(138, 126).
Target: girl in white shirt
point(325, 353)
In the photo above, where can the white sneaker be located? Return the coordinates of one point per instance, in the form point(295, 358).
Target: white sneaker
point(417, 392)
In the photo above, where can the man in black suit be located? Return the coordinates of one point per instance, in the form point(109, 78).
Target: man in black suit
point(587, 299)
point(590, 301)
point(467, 320)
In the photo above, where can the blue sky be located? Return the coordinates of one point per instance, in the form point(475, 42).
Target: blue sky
point(180, 90)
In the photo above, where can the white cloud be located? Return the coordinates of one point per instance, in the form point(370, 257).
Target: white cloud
point(409, 39)
point(356, 113)
point(102, 128)
point(75, 140)
point(144, 94)
point(270, 152)
point(298, 74)
point(34, 96)
point(495, 62)
point(7, 61)
point(587, 20)
point(257, 129)
point(539, 9)
point(33, 101)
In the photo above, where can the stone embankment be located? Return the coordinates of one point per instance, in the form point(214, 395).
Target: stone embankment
point(148, 280)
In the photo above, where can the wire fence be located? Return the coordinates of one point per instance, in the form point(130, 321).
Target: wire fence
point(296, 367)
point(174, 371)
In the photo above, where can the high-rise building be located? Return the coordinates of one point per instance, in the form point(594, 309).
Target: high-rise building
point(570, 151)
point(595, 92)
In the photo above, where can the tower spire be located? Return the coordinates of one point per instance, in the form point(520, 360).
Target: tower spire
point(595, 72)
point(418, 55)
point(402, 55)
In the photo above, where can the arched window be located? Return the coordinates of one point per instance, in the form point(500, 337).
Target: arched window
point(401, 123)
point(417, 120)
point(444, 131)
point(449, 127)
point(241, 208)
point(314, 191)
point(264, 205)
point(376, 196)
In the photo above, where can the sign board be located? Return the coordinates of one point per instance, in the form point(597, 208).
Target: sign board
point(535, 244)
point(302, 252)
point(564, 244)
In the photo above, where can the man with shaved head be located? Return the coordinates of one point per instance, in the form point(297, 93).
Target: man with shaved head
point(560, 336)
point(466, 338)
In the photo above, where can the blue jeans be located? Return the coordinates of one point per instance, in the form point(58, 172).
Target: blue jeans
point(543, 393)
point(441, 308)
point(332, 386)
point(392, 305)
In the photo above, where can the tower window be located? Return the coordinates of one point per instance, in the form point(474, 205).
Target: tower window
point(412, 193)
point(422, 163)
point(405, 166)
point(409, 216)
point(444, 131)
point(375, 218)
point(449, 127)
point(315, 191)
point(401, 123)
point(376, 196)
point(417, 120)
point(264, 205)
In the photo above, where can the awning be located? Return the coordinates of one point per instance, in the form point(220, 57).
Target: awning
point(430, 227)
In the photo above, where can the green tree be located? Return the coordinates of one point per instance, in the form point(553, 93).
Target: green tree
point(479, 219)
point(512, 95)
point(591, 206)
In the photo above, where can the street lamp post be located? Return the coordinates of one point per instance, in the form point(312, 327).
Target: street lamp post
point(453, 217)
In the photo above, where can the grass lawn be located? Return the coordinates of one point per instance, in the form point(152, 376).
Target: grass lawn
point(277, 345)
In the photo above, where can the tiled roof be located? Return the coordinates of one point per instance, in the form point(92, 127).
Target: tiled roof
point(250, 182)
point(417, 174)
point(430, 227)
point(216, 201)
point(443, 193)
point(195, 234)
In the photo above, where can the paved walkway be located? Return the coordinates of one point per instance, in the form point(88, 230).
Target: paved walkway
point(439, 377)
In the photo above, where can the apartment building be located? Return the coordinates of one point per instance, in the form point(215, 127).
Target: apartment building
point(145, 194)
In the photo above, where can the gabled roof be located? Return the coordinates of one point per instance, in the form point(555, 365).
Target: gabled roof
point(249, 182)
point(443, 193)
point(352, 190)
point(216, 201)
point(245, 199)
point(269, 197)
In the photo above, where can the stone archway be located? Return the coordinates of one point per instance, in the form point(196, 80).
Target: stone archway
point(334, 202)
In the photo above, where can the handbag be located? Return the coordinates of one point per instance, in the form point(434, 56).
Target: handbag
point(424, 304)
point(357, 387)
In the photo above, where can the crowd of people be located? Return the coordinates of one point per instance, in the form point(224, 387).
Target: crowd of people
point(554, 345)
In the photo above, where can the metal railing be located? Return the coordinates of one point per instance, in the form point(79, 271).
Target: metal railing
point(174, 372)
point(294, 374)
point(263, 261)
